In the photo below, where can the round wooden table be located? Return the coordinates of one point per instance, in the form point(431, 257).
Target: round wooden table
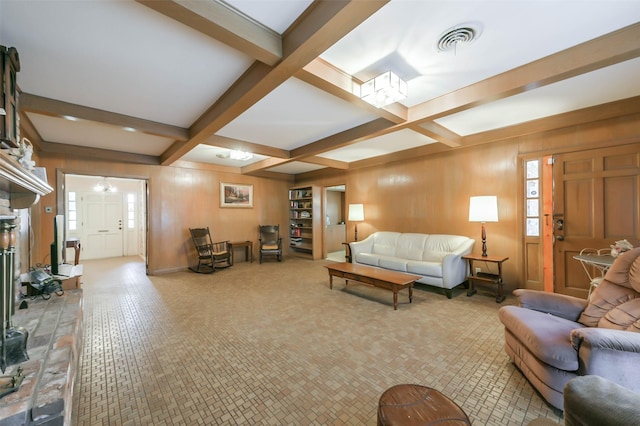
point(418, 405)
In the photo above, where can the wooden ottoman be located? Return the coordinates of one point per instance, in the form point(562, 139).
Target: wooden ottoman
point(418, 405)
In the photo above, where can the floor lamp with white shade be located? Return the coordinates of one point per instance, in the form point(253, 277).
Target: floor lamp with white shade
point(356, 214)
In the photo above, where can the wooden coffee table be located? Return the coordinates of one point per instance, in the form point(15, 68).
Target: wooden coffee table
point(382, 278)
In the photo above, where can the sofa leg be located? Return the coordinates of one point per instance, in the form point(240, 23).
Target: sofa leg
point(448, 292)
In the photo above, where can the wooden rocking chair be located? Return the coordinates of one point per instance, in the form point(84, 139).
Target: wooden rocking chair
point(210, 255)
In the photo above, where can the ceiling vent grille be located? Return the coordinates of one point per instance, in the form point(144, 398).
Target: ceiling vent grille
point(457, 37)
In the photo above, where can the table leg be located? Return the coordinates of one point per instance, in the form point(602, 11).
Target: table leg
point(330, 282)
point(395, 299)
point(500, 298)
point(472, 290)
point(411, 293)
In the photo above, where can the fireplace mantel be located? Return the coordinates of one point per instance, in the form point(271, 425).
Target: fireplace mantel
point(25, 186)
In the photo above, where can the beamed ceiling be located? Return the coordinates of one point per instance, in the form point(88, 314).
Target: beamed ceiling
point(183, 82)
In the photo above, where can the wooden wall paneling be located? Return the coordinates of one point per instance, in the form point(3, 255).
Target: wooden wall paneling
point(423, 194)
point(533, 267)
point(533, 246)
point(178, 198)
point(431, 195)
point(547, 225)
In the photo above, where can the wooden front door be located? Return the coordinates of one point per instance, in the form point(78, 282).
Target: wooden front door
point(595, 203)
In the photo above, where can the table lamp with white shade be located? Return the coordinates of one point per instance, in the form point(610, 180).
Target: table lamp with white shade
point(483, 209)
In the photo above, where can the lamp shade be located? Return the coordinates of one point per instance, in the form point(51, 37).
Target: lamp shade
point(483, 209)
point(356, 212)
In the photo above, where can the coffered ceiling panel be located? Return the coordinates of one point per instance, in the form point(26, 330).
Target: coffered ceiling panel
point(381, 145)
point(97, 135)
point(280, 78)
point(118, 56)
point(307, 113)
point(218, 155)
point(605, 85)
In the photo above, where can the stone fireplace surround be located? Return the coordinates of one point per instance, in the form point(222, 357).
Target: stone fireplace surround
point(54, 346)
point(54, 325)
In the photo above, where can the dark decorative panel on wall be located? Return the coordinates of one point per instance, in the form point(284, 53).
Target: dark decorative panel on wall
point(9, 121)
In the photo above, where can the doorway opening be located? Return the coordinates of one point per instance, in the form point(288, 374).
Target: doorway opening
point(335, 233)
point(107, 215)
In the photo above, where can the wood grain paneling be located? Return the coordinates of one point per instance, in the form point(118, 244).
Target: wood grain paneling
point(421, 194)
point(431, 195)
point(179, 198)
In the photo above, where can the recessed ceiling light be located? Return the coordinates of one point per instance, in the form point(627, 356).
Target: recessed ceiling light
point(128, 129)
point(70, 118)
point(240, 155)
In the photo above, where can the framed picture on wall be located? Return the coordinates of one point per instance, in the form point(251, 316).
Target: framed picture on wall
point(236, 195)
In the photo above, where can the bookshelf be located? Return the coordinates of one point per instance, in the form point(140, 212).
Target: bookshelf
point(305, 224)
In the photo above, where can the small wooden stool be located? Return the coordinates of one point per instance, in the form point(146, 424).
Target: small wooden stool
point(418, 405)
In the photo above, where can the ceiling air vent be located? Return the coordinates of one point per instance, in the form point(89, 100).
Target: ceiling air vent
point(456, 37)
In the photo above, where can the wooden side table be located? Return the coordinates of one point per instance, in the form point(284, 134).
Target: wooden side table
point(248, 249)
point(73, 243)
point(485, 277)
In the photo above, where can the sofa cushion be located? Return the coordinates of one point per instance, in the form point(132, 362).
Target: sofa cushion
point(393, 263)
point(545, 336)
point(368, 259)
point(411, 246)
point(429, 269)
point(385, 243)
point(444, 243)
point(434, 256)
point(622, 317)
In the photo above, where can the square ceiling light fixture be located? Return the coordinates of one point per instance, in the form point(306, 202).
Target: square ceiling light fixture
point(383, 90)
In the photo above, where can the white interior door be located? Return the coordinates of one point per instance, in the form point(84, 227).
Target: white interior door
point(102, 225)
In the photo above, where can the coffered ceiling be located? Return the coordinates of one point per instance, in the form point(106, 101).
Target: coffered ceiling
point(185, 81)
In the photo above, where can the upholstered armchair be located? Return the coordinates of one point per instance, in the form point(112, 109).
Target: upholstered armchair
point(553, 338)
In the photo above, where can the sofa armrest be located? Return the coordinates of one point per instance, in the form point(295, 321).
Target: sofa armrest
point(598, 401)
point(454, 270)
point(613, 354)
point(560, 305)
point(606, 338)
point(363, 246)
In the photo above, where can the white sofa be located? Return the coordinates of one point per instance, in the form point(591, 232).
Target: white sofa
point(436, 257)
